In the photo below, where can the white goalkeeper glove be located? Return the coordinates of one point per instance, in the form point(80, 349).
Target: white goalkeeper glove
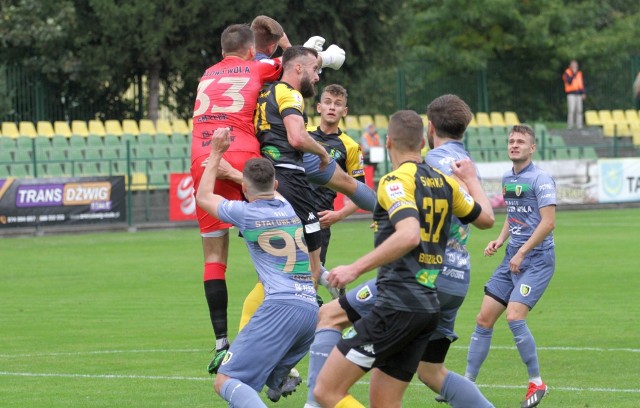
point(334, 292)
point(333, 57)
point(316, 42)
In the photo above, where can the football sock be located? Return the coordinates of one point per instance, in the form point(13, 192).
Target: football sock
point(251, 303)
point(478, 351)
point(215, 290)
point(323, 343)
point(240, 395)
point(460, 392)
point(364, 197)
point(349, 402)
point(526, 345)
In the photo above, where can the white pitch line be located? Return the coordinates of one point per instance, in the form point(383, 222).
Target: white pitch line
point(560, 348)
point(142, 351)
point(182, 378)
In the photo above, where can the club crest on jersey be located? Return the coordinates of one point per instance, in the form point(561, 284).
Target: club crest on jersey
point(364, 294)
point(349, 333)
point(525, 290)
point(226, 358)
point(394, 190)
point(518, 190)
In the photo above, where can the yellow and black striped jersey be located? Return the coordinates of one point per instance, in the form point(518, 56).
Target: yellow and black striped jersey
point(418, 190)
point(274, 103)
point(347, 154)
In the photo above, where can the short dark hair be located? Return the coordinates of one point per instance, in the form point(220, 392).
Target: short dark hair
point(260, 174)
point(267, 31)
point(406, 129)
point(237, 38)
point(450, 116)
point(525, 130)
point(295, 52)
point(336, 90)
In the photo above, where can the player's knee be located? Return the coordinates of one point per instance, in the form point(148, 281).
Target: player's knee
point(431, 374)
point(331, 316)
point(219, 382)
point(483, 320)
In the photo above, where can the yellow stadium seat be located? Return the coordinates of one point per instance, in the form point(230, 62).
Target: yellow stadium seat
point(27, 129)
point(608, 129)
point(180, 126)
point(10, 129)
point(483, 119)
point(497, 119)
point(163, 126)
point(605, 117)
point(45, 129)
point(473, 123)
point(619, 116)
point(632, 116)
point(365, 120)
point(381, 121)
point(61, 128)
point(79, 128)
point(635, 134)
point(130, 127)
point(96, 128)
point(592, 118)
point(425, 119)
point(622, 130)
point(511, 119)
point(113, 127)
point(147, 127)
point(352, 122)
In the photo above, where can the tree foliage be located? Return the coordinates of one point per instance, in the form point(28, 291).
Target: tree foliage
point(523, 45)
point(93, 51)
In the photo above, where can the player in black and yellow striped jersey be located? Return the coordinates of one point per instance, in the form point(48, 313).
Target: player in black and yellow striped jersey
point(332, 107)
point(415, 205)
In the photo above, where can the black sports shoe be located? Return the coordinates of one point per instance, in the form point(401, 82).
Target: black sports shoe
point(215, 363)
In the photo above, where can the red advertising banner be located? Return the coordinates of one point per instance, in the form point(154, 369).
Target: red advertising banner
point(341, 200)
point(182, 203)
point(61, 200)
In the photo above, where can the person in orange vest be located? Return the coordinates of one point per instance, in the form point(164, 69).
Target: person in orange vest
point(574, 88)
point(368, 140)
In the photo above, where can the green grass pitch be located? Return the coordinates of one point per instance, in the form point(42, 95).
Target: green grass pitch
point(120, 320)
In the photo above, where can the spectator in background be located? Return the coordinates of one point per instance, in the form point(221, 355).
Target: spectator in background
point(574, 88)
point(368, 140)
point(636, 90)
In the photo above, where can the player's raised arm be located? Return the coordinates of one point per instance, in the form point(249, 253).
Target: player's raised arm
point(205, 198)
point(465, 170)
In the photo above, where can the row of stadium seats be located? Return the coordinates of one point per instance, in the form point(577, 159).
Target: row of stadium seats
point(617, 122)
point(155, 162)
point(552, 153)
point(128, 127)
point(481, 119)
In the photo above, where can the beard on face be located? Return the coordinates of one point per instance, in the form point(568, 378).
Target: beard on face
point(307, 88)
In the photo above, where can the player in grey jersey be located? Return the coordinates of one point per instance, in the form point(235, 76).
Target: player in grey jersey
point(529, 263)
point(280, 332)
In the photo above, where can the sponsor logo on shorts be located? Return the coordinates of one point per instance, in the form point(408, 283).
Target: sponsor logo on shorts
point(349, 333)
point(226, 358)
point(364, 294)
point(525, 290)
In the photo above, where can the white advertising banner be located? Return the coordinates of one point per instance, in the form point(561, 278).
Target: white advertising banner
point(619, 180)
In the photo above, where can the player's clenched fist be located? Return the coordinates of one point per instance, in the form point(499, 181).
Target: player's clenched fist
point(220, 140)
